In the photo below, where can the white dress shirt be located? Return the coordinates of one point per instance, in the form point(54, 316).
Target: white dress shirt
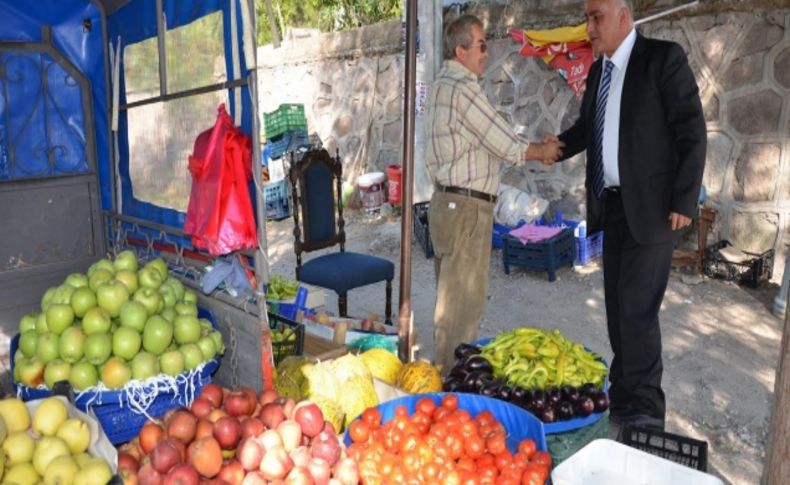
point(611, 124)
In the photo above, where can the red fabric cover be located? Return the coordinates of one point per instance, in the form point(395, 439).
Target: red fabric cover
point(219, 216)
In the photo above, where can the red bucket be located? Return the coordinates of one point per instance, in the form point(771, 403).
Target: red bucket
point(394, 177)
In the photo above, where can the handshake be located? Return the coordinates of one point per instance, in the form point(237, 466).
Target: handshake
point(546, 152)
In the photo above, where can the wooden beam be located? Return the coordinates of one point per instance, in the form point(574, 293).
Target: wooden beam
point(777, 462)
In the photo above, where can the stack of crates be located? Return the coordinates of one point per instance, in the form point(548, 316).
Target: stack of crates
point(285, 130)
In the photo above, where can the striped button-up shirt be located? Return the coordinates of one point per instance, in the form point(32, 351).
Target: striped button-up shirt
point(467, 138)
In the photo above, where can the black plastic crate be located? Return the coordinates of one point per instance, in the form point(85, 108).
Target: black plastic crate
point(292, 342)
point(757, 269)
point(679, 449)
point(421, 231)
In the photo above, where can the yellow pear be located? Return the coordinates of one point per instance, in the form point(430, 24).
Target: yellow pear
point(22, 474)
point(47, 449)
point(76, 433)
point(83, 459)
point(15, 415)
point(18, 448)
point(95, 472)
point(3, 433)
point(61, 471)
point(49, 415)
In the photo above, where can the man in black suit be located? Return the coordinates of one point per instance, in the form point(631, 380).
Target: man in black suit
point(642, 125)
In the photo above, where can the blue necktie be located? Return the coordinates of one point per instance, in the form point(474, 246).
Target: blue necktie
point(600, 112)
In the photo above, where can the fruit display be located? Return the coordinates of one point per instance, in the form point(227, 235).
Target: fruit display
point(538, 370)
point(48, 442)
point(280, 288)
point(236, 437)
point(441, 442)
point(115, 323)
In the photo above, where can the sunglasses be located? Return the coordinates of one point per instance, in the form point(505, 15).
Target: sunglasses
point(483, 47)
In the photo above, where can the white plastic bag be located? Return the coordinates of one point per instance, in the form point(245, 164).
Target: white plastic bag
point(514, 205)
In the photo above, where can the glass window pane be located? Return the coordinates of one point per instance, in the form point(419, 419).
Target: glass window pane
point(141, 70)
point(161, 138)
point(195, 54)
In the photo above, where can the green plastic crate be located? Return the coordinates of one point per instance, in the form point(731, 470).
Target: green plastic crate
point(288, 117)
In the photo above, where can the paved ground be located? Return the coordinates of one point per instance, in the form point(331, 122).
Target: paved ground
point(721, 342)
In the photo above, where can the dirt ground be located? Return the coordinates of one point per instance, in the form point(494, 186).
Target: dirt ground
point(721, 342)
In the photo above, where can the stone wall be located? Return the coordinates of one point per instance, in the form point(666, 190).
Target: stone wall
point(351, 85)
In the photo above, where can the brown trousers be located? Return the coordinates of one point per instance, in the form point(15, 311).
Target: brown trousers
point(460, 229)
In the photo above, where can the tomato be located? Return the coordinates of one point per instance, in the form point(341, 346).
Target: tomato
point(495, 443)
point(485, 418)
point(400, 410)
point(388, 463)
point(372, 417)
point(440, 414)
point(463, 415)
point(503, 459)
point(466, 463)
point(542, 458)
point(468, 429)
point(474, 446)
point(450, 402)
point(528, 447)
point(540, 470)
point(426, 406)
point(359, 431)
point(531, 477)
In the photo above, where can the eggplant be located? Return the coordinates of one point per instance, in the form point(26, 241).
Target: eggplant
point(569, 393)
point(538, 403)
point(601, 401)
point(489, 389)
point(588, 389)
point(553, 396)
point(548, 415)
point(458, 372)
point(505, 392)
point(517, 396)
point(475, 380)
point(478, 363)
point(464, 351)
point(585, 406)
point(451, 385)
point(565, 411)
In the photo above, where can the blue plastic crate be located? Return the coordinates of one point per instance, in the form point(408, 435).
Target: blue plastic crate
point(501, 230)
point(588, 248)
point(275, 195)
point(548, 255)
point(288, 141)
point(120, 418)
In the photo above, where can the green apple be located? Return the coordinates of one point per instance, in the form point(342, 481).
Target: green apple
point(116, 373)
point(129, 280)
point(160, 266)
point(96, 320)
point(72, 344)
point(27, 342)
point(56, 370)
point(59, 317)
point(31, 372)
point(149, 278)
point(145, 365)
point(98, 278)
point(220, 343)
point(193, 356)
point(157, 334)
point(47, 347)
point(168, 296)
point(111, 296)
point(18, 363)
point(207, 347)
point(150, 299)
point(41, 323)
point(126, 343)
point(104, 264)
point(125, 260)
point(62, 294)
point(134, 315)
point(98, 347)
point(77, 280)
point(177, 286)
point(82, 300)
point(168, 314)
point(46, 299)
point(28, 322)
point(190, 297)
point(83, 375)
point(172, 362)
point(205, 326)
point(186, 329)
point(186, 308)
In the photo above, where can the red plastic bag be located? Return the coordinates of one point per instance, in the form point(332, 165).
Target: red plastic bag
point(219, 216)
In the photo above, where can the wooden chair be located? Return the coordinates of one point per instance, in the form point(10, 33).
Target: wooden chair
point(316, 180)
point(694, 259)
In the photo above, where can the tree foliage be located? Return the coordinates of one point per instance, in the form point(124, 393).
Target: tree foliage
point(326, 15)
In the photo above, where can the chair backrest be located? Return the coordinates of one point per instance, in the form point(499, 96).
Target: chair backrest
point(316, 180)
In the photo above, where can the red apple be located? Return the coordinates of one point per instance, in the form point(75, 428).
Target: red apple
point(227, 432)
point(232, 473)
point(238, 404)
point(267, 396)
point(320, 471)
point(183, 474)
point(276, 463)
point(165, 456)
point(309, 417)
point(291, 434)
point(201, 407)
point(252, 427)
point(213, 393)
point(249, 454)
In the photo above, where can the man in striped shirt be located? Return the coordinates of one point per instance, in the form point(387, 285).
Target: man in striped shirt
point(467, 143)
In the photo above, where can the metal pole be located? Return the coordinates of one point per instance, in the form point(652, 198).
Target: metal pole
point(405, 319)
point(666, 12)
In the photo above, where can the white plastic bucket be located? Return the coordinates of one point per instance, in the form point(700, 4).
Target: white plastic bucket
point(371, 190)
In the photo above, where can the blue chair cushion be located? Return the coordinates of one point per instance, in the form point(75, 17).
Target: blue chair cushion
point(343, 271)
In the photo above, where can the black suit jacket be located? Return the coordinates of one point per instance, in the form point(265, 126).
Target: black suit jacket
point(662, 140)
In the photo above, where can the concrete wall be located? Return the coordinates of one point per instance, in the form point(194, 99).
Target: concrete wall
point(351, 85)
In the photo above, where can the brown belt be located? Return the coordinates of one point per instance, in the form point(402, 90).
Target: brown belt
point(468, 192)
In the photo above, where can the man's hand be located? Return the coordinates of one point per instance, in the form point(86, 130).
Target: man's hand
point(546, 153)
point(678, 221)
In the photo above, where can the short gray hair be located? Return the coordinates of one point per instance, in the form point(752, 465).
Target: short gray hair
point(459, 33)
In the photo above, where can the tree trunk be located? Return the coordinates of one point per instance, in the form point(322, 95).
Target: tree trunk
point(777, 461)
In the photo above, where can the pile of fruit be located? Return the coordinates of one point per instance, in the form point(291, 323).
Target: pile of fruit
point(114, 324)
point(235, 437)
point(538, 370)
point(442, 444)
point(280, 288)
point(47, 447)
